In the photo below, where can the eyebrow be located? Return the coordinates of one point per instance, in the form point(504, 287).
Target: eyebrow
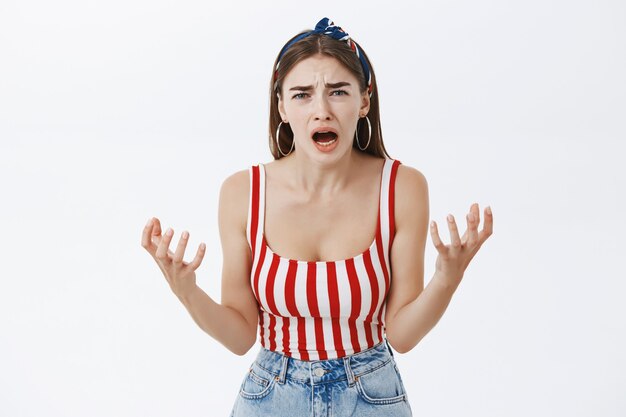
point(328, 85)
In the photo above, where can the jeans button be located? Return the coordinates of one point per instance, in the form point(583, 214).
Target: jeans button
point(319, 372)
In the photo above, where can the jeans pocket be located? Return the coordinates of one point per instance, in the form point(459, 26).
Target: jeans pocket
point(257, 383)
point(381, 385)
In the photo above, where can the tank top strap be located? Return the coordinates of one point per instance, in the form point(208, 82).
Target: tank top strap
point(387, 203)
point(256, 208)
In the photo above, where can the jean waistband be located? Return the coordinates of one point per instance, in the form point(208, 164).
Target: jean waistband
point(323, 371)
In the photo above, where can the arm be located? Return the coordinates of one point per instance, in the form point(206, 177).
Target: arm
point(413, 311)
point(414, 320)
point(407, 265)
point(223, 323)
point(233, 322)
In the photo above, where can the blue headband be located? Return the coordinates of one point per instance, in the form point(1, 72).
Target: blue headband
point(327, 27)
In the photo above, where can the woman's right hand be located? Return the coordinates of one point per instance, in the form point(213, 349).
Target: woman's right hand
point(180, 275)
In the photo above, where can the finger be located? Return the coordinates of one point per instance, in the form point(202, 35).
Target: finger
point(472, 229)
point(487, 226)
point(464, 238)
point(163, 248)
point(434, 234)
point(156, 235)
point(146, 240)
point(180, 249)
point(197, 260)
point(157, 227)
point(455, 240)
point(476, 212)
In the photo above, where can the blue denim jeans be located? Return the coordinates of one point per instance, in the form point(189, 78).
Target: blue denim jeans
point(367, 383)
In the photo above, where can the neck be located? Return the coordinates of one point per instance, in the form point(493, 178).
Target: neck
point(323, 179)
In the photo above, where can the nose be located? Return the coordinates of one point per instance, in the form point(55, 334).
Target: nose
point(321, 108)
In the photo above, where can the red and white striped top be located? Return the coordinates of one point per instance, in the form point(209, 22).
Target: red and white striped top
point(327, 309)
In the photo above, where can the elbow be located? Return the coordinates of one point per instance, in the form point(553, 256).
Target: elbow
point(242, 349)
point(400, 346)
point(240, 352)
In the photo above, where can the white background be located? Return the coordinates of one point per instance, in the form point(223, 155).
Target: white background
point(113, 112)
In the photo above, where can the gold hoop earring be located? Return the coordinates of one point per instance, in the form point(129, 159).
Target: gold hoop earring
point(278, 146)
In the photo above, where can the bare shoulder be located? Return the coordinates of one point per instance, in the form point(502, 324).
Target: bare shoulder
point(412, 186)
point(234, 195)
point(409, 177)
point(238, 181)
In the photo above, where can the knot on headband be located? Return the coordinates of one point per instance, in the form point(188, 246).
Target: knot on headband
point(327, 27)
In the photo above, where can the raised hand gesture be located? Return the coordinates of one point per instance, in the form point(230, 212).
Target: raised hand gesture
point(453, 259)
point(180, 275)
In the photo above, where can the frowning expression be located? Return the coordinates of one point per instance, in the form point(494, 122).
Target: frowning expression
point(319, 93)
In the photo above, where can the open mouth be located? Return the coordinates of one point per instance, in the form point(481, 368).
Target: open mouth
point(325, 138)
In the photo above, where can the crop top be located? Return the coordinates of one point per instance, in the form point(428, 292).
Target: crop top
point(327, 309)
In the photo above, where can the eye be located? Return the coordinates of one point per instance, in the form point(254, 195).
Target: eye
point(301, 95)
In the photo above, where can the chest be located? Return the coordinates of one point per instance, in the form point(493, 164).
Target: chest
point(322, 230)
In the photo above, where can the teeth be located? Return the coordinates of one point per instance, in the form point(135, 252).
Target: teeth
point(327, 143)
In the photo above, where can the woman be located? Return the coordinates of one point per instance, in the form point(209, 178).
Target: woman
point(307, 243)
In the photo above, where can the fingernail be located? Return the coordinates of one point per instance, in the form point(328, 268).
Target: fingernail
point(488, 210)
point(149, 221)
point(169, 232)
point(470, 217)
point(185, 234)
point(450, 218)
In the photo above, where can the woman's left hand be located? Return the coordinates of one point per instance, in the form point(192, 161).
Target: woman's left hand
point(454, 258)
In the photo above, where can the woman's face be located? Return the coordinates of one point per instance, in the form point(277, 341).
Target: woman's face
point(319, 92)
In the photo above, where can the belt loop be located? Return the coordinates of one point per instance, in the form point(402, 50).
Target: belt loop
point(388, 347)
point(283, 369)
point(346, 364)
point(311, 376)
